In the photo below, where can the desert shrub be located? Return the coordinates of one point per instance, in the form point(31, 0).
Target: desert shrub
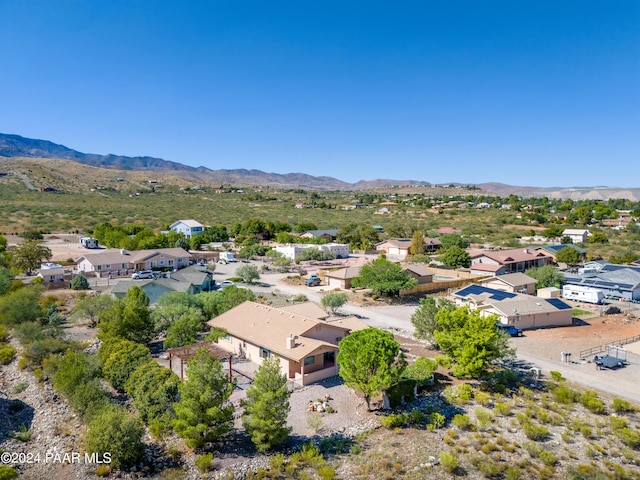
point(103, 471)
point(618, 422)
point(394, 420)
point(401, 392)
point(484, 417)
point(548, 457)
point(7, 353)
point(532, 448)
point(556, 376)
point(204, 462)
point(483, 398)
point(565, 394)
point(8, 473)
point(503, 409)
point(461, 421)
point(591, 402)
point(534, 431)
point(449, 462)
point(459, 394)
point(631, 438)
point(620, 405)
point(585, 472)
point(4, 334)
point(436, 420)
point(415, 417)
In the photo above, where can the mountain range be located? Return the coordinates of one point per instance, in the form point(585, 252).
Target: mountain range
point(18, 146)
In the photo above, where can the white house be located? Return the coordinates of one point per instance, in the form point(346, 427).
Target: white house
point(338, 250)
point(188, 228)
point(577, 235)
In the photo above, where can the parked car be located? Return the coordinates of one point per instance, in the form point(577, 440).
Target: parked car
point(225, 284)
point(313, 281)
point(511, 330)
point(142, 275)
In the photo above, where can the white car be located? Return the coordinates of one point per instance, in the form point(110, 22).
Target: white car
point(225, 284)
point(142, 275)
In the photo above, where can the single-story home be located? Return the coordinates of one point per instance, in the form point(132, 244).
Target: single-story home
point(120, 261)
point(328, 235)
point(520, 310)
point(53, 275)
point(399, 247)
point(342, 277)
point(188, 228)
point(577, 235)
point(338, 250)
point(512, 260)
point(306, 347)
point(554, 249)
point(420, 272)
point(511, 282)
point(194, 279)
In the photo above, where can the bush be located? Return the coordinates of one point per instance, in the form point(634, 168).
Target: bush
point(556, 376)
point(7, 354)
point(548, 458)
point(461, 421)
point(449, 462)
point(631, 438)
point(394, 420)
point(591, 402)
point(4, 334)
point(503, 409)
point(436, 420)
point(8, 473)
point(534, 431)
point(80, 282)
point(620, 405)
point(204, 462)
point(565, 394)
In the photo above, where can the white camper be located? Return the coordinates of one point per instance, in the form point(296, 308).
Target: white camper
point(88, 242)
point(582, 294)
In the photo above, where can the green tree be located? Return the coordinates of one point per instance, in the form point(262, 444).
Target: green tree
point(215, 303)
point(456, 257)
point(182, 243)
point(79, 282)
point(248, 273)
point(29, 255)
point(113, 430)
point(184, 331)
point(21, 305)
point(383, 276)
point(90, 307)
point(358, 237)
point(566, 240)
point(554, 231)
point(546, 276)
point(597, 237)
point(470, 340)
point(370, 362)
point(154, 390)
point(203, 413)
point(449, 240)
point(267, 406)
point(417, 244)
point(569, 255)
point(424, 318)
point(5, 280)
point(120, 358)
point(3, 243)
point(129, 318)
point(333, 301)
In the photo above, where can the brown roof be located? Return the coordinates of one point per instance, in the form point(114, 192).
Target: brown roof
point(344, 273)
point(515, 279)
point(116, 255)
point(512, 255)
point(351, 323)
point(486, 267)
point(269, 327)
point(306, 309)
point(419, 269)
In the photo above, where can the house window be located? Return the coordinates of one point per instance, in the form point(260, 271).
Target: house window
point(329, 357)
point(99, 267)
point(107, 266)
point(161, 262)
point(124, 265)
point(227, 337)
point(169, 262)
point(264, 353)
point(310, 360)
point(153, 264)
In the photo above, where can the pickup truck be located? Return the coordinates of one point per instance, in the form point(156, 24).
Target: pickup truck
point(313, 281)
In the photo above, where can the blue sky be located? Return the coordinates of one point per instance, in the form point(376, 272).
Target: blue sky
point(541, 93)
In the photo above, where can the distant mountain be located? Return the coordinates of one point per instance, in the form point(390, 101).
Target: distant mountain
point(17, 146)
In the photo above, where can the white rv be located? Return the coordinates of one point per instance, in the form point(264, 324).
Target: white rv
point(88, 242)
point(582, 294)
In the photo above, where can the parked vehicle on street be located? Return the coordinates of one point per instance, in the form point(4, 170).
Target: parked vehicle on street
point(142, 275)
point(225, 284)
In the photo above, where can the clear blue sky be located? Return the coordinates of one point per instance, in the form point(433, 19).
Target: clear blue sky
point(539, 92)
